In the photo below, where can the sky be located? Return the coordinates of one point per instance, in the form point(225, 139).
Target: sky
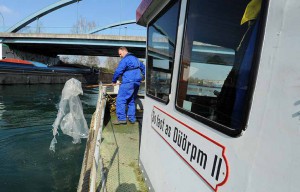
point(102, 12)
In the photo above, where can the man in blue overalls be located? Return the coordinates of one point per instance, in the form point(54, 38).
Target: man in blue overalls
point(132, 72)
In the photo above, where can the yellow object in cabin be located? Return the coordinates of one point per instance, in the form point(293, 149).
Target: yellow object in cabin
point(252, 10)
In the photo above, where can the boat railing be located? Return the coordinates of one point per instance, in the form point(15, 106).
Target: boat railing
point(92, 159)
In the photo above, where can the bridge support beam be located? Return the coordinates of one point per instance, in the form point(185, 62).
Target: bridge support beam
point(40, 13)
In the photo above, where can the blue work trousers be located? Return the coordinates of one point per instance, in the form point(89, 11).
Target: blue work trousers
point(126, 96)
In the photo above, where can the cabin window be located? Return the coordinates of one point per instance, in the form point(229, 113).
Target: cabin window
point(216, 67)
point(160, 55)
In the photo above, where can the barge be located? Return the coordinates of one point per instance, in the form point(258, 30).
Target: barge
point(17, 71)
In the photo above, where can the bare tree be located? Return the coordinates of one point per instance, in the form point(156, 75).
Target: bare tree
point(83, 26)
point(65, 59)
point(90, 61)
point(111, 63)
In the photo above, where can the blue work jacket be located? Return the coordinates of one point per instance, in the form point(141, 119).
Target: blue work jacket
point(130, 68)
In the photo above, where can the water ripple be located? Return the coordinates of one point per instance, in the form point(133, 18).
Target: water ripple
point(27, 113)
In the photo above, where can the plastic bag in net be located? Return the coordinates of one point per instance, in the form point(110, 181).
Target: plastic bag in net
point(70, 116)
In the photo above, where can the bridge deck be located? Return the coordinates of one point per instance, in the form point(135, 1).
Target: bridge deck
point(74, 44)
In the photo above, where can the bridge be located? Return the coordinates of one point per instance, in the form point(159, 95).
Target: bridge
point(52, 45)
point(74, 44)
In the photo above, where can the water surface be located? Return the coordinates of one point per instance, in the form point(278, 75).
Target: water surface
point(26, 163)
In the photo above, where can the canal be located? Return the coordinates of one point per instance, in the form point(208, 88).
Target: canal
point(27, 113)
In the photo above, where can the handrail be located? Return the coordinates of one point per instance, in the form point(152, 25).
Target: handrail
point(92, 159)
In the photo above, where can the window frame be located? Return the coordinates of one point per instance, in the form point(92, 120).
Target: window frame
point(252, 77)
point(162, 12)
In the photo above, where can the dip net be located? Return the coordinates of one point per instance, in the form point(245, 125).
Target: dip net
point(70, 116)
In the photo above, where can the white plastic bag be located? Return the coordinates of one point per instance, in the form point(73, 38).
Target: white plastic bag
point(70, 116)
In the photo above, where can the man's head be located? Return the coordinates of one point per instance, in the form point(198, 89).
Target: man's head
point(122, 51)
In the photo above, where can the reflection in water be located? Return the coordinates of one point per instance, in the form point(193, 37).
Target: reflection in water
point(2, 108)
point(26, 163)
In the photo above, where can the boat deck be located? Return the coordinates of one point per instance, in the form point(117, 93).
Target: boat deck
point(120, 155)
point(111, 158)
